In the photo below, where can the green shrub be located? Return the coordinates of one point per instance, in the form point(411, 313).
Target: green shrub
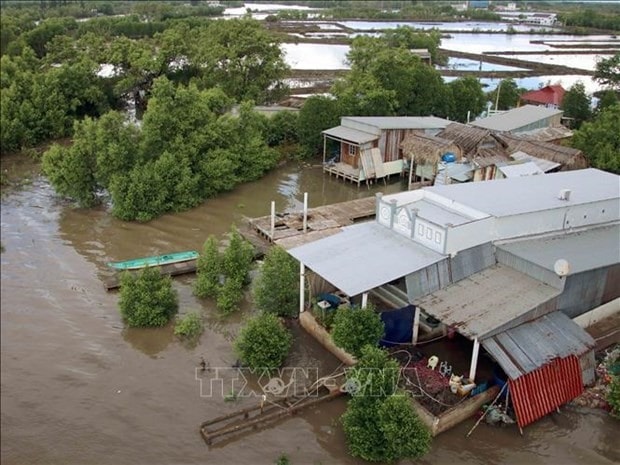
point(147, 299)
point(263, 343)
point(208, 270)
point(229, 296)
point(189, 326)
point(380, 423)
point(276, 289)
point(356, 327)
point(324, 316)
point(237, 258)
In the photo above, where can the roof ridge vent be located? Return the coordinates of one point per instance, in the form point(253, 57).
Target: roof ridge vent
point(564, 194)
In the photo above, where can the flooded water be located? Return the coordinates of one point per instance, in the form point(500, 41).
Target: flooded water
point(79, 388)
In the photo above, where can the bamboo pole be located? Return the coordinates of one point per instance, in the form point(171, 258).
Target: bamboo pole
point(488, 408)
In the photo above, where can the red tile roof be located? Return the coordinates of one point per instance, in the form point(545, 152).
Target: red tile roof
point(549, 95)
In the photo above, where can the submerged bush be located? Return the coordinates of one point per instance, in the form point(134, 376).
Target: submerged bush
point(354, 328)
point(208, 269)
point(189, 326)
point(276, 289)
point(263, 343)
point(147, 299)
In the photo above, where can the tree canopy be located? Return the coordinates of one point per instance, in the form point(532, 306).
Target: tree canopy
point(608, 72)
point(599, 139)
point(577, 104)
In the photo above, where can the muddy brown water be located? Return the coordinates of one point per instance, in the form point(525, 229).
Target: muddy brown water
point(79, 388)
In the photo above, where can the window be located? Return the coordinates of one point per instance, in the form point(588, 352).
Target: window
point(352, 150)
point(438, 238)
point(421, 230)
point(429, 234)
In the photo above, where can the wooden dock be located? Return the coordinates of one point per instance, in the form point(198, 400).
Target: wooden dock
point(172, 269)
point(252, 418)
point(321, 222)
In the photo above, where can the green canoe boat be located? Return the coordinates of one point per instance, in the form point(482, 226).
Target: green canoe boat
point(158, 260)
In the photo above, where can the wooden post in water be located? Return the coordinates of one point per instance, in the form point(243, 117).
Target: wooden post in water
point(273, 219)
point(302, 286)
point(305, 211)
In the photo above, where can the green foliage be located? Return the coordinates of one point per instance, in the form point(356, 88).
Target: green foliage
point(263, 343)
point(380, 423)
point(386, 78)
point(318, 113)
point(577, 104)
point(237, 258)
point(282, 128)
point(355, 328)
point(608, 72)
point(613, 396)
point(189, 326)
point(283, 460)
point(467, 96)
point(509, 94)
point(600, 140)
point(229, 296)
point(608, 98)
point(276, 290)
point(588, 17)
point(208, 270)
point(147, 299)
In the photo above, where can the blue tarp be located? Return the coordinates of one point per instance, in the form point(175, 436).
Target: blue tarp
point(398, 326)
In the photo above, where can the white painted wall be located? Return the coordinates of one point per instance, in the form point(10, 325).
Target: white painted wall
point(599, 313)
point(470, 234)
point(429, 234)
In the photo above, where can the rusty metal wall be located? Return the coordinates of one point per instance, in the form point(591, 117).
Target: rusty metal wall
point(470, 261)
point(428, 280)
point(526, 267)
point(539, 392)
point(585, 291)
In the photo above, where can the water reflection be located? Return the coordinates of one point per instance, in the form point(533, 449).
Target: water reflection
point(149, 341)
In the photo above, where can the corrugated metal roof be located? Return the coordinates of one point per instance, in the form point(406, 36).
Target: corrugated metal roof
point(351, 135)
point(548, 134)
point(527, 168)
point(516, 118)
point(364, 256)
point(584, 250)
point(542, 391)
point(487, 300)
point(514, 196)
point(400, 122)
point(544, 165)
point(531, 345)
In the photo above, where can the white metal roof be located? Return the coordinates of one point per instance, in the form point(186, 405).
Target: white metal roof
point(533, 344)
point(364, 256)
point(527, 168)
point(349, 134)
point(513, 196)
point(400, 122)
point(584, 250)
point(516, 118)
point(487, 300)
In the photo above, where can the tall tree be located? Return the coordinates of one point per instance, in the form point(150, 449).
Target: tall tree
point(509, 94)
point(600, 140)
point(577, 104)
point(608, 72)
point(318, 113)
point(467, 97)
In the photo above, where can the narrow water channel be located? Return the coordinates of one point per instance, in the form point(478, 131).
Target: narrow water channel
point(79, 388)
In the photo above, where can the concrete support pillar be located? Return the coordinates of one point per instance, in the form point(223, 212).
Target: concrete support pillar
point(474, 360)
point(364, 299)
point(302, 287)
point(416, 325)
point(305, 211)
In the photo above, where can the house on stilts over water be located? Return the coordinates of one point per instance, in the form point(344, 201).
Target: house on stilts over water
point(503, 266)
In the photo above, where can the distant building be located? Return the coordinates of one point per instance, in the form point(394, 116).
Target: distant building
point(525, 118)
point(548, 96)
point(478, 4)
point(542, 19)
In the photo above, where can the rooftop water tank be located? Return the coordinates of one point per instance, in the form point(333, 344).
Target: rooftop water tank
point(448, 157)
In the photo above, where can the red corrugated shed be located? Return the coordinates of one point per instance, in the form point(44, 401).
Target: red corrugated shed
point(541, 391)
point(549, 95)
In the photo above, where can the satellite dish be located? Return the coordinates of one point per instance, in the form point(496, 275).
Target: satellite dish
point(561, 267)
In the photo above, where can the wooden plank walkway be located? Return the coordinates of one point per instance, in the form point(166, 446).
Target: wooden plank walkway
point(322, 221)
point(251, 418)
point(172, 269)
